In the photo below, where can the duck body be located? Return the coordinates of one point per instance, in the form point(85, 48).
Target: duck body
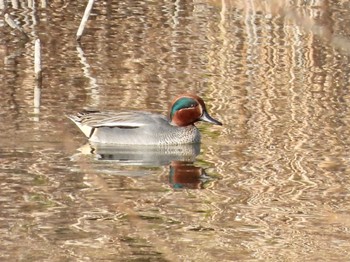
point(145, 128)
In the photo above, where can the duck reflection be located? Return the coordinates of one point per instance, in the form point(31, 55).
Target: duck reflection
point(145, 155)
point(186, 175)
point(180, 159)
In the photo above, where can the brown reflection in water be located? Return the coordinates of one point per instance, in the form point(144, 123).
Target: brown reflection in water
point(186, 175)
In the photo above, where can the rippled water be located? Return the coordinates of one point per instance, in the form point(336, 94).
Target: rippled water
point(272, 184)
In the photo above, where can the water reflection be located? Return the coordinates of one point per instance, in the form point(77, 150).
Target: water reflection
point(186, 175)
point(113, 159)
point(138, 155)
point(276, 71)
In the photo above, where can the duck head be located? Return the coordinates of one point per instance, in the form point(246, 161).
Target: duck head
point(187, 109)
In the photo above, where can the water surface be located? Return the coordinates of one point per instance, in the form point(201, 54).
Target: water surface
point(272, 184)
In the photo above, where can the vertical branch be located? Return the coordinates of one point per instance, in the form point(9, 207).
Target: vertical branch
point(37, 59)
point(38, 75)
point(84, 19)
point(37, 96)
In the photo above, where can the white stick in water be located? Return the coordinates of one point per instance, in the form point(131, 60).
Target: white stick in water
point(84, 19)
point(37, 96)
point(37, 59)
point(37, 71)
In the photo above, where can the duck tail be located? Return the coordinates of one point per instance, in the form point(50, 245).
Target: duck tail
point(86, 129)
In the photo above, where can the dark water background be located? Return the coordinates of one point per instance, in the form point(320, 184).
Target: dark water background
point(272, 184)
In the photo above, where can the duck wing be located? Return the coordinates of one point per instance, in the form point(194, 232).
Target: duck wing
point(127, 119)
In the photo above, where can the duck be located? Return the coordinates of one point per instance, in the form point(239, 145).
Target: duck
point(146, 128)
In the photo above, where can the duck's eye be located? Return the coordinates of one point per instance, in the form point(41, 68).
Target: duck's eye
point(192, 105)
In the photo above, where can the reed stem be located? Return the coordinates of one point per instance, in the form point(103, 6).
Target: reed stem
point(84, 19)
point(38, 75)
point(37, 59)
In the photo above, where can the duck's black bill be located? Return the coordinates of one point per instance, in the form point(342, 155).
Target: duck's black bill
point(207, 118)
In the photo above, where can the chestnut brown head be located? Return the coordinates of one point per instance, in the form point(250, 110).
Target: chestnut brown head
point(188, 109)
